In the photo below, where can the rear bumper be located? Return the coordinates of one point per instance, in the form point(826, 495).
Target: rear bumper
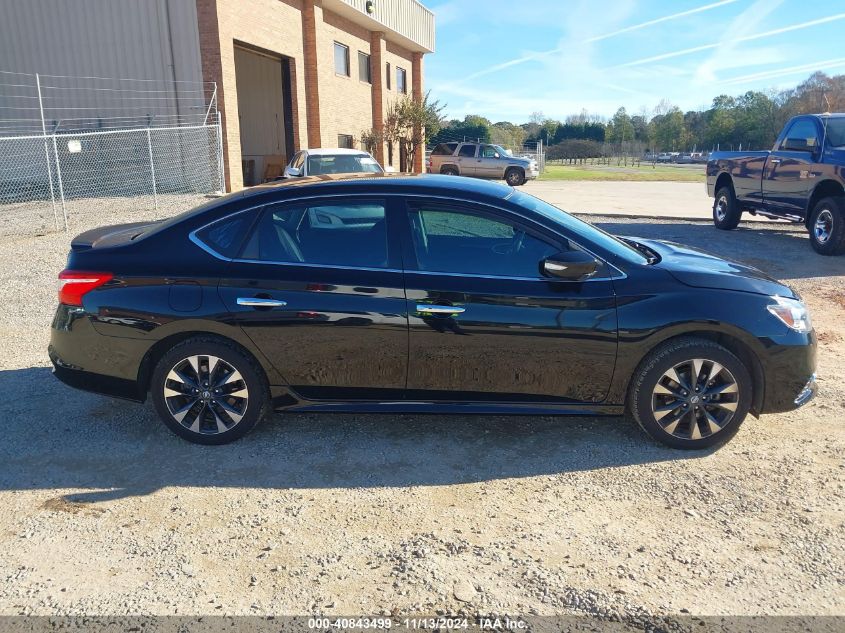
point(85, 359)
point(95, 383)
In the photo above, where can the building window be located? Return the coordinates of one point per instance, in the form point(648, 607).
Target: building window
point(364, 67)
point(345, 141)
point(388, 75)
point(341, 59)
point(401, 80)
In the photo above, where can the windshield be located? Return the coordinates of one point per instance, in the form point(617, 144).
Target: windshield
point(836, 132)
point(502, 151)
point(343, 164)
point(580, 228)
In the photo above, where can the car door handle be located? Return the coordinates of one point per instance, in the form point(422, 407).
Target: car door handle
point(775, 161)
point(437, 309)
point(260, 302)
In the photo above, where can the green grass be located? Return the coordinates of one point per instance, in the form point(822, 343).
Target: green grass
point(644, 173)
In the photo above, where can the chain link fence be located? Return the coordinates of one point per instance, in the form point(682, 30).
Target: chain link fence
point(81, 171)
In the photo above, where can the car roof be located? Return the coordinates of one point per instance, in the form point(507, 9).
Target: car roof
point(335, 151)
point(385, 183)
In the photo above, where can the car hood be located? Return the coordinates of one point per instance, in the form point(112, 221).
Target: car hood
point(701, 269)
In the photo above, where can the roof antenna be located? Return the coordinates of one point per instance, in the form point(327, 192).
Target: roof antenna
point(827, 102)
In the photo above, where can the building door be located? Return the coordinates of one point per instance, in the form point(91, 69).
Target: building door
point(264, 102)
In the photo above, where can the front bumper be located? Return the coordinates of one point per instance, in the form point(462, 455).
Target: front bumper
point(807, 393)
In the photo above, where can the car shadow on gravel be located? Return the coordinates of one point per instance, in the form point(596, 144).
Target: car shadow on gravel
point(103, 449)
point(781, 250)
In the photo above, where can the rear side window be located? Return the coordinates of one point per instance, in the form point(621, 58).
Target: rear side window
point(444, 149)
point(341, 234)
point(467, 151)
point(226, 236)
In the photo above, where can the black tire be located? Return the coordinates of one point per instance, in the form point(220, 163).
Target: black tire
point(514, 176)
point(247, 396)
point(449, 171)
point(827, 226)
point(644, 395)
point(726, 211)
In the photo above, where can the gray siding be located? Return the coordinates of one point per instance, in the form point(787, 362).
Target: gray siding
point(153, 40)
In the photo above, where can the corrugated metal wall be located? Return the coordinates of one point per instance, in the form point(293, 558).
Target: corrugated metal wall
point(153, 40)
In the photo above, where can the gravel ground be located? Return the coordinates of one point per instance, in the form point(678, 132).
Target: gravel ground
point(106, 512)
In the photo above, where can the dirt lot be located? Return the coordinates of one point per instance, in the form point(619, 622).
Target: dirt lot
point(106, 512)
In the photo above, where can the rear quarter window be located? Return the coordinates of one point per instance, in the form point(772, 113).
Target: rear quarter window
point(225, 236)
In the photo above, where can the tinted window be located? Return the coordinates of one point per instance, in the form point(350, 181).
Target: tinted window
point(388, 76)
point(342, 234)
point(456, 241)
point(226, 236)
point(589, 234)
point(802, 133)
point(343, 164)
point(836, 132)
point(467, 151)
point(341, 59)
point(345, 141)
point(444, 149)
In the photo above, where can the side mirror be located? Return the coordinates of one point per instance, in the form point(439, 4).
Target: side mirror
point(497, 155)
point(292, 172)
point(569, 265)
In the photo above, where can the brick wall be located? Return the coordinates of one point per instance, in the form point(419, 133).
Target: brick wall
point(324, 104)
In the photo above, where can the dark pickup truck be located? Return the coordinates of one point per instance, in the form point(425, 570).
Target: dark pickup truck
point(800, 179)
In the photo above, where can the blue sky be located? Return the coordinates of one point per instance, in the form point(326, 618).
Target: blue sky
point(505, 59)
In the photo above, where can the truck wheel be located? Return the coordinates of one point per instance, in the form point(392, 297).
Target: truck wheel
point(449, 171)
point(827, 226)
point(726, 211)
point(515, 177)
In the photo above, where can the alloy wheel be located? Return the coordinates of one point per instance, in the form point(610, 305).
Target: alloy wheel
point(695, 399)
point(206, 394)
point(721, 208)
point(823, 226)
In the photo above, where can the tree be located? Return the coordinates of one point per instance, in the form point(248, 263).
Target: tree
point(408, 121)
point(620, 128)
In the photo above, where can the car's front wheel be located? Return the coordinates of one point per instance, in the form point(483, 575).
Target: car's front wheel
point(208, 391)
point(690, 393)
point(515, 177)
point(726, 211)
point(827, 227)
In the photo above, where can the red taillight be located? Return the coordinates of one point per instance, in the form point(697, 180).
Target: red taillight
point(73, 284)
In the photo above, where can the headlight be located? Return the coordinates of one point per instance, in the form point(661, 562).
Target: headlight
point(792, 313)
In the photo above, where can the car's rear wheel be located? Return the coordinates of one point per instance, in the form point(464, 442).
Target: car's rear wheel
point(449, 171)
point(690, 393)
point(726, 211)
point(515, 177)
point(827, 227)
point(209, 391)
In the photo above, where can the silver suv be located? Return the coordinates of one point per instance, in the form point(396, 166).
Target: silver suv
point(481, 160)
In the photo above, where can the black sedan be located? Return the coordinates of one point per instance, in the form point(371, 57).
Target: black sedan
point(422, 294)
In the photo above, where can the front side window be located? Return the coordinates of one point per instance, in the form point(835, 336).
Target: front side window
point(336, 234)
point(460, 241)
point(341, 59)
point(489, 151)
point(364, 67)
point(467, 151)
point(801, 135)
point(401, 80)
